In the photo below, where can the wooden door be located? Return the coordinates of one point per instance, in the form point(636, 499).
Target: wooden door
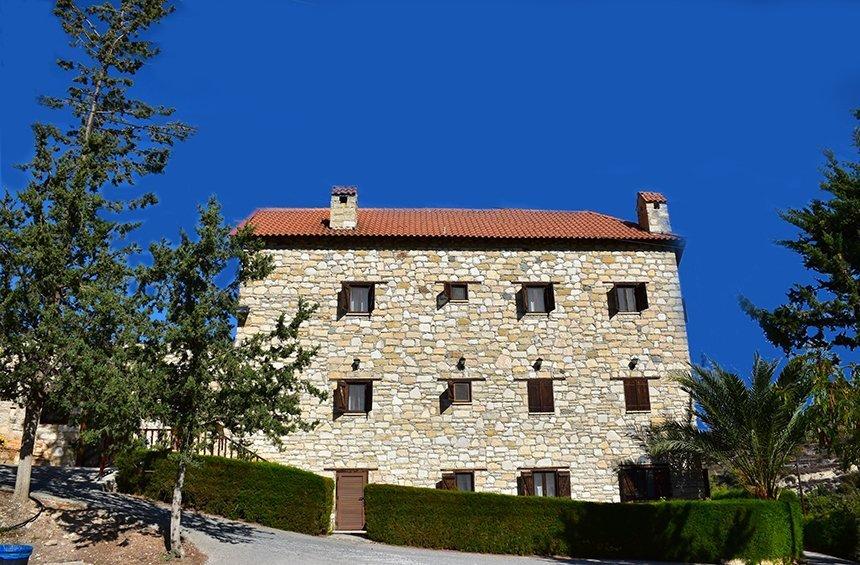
point(349, 503)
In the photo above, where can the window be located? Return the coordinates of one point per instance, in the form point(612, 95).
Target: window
point(356, 298)
point(540, 395)
point(460, 392)
point(544, 482)
point(535, 298)
point(644, 482)
point(636, 395)
point(627, 297)
point(353, 397)
point(458, 480)
point(457, 292)
point(465, 481)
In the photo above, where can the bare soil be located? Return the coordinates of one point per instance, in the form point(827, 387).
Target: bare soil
point(60, 531)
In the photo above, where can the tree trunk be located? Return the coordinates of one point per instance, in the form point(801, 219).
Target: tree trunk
point(176, 511)
point(25, 455)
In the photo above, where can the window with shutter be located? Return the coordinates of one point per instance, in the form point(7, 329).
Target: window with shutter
point(465, 481)
point(357, 298)
point(627, 297)
point(460, 392)
point(636, 395)
point(537, 298)
point(544, 483)
point(353, 397)
point(357, 397)
point(457, 292)
point(540, 395)
point(644, 482)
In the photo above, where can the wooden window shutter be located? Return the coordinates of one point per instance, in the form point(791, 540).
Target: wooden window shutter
point(642, 394)
point(368, 397)
point(626, 485)
point(631, 401)
point(526, 484)
point(641, 297)
point(612, 298)
point(549, 298)
point(371, 298)
point(534, 395)
point(447, 290)
point(448, 482)
point(562, 484)
point(662, 482)
point(450, 391)
point(547, 402)
point(342, 301)
point(341, 396)
point(521, 302)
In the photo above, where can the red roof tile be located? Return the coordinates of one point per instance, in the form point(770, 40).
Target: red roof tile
point(653, 197)
point(451, 223)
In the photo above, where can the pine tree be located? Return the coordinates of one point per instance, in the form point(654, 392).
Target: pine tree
point(202, 380)
point(67, 320)
point(820, 320)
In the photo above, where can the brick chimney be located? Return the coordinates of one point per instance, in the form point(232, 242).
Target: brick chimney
point(343, 214)
point(653, 212)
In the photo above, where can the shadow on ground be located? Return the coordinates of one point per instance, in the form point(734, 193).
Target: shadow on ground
point(107, 515)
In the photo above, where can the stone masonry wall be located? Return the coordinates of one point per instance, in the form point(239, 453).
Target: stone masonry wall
point(54, 442)
point(412, 347)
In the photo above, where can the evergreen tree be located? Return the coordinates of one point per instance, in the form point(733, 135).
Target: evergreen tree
point(821, 318)
point(202, 378)
point(67, 320)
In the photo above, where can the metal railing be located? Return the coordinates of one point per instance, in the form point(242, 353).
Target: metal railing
point(216, 444)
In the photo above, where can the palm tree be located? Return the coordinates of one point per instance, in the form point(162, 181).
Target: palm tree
point(751, 429)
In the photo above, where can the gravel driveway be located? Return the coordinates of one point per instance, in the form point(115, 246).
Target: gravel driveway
point(227, 541)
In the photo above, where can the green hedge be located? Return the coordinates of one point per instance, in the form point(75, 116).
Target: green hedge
point(266, 493)
point(709, 531)
point(832, 523)
point(834, 533)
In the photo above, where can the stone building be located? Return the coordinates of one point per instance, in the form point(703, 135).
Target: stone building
point(507, 351)
point(55, 439)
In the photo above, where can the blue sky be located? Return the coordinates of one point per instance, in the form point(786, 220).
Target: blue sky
point(723, 106)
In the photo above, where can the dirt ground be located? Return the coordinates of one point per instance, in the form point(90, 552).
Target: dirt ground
point(62, 532)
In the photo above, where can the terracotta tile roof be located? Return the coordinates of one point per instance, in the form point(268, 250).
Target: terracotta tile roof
point(451, 223)
point(653, 197)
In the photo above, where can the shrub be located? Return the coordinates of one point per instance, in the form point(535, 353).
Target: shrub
point(832, 523)
point(708, 531)
point(266, 493)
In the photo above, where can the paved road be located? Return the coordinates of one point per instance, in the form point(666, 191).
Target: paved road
point(226, 541)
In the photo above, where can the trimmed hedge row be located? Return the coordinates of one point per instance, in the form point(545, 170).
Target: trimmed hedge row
point(266, 493)
point(835, 533)
point(709, 531)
